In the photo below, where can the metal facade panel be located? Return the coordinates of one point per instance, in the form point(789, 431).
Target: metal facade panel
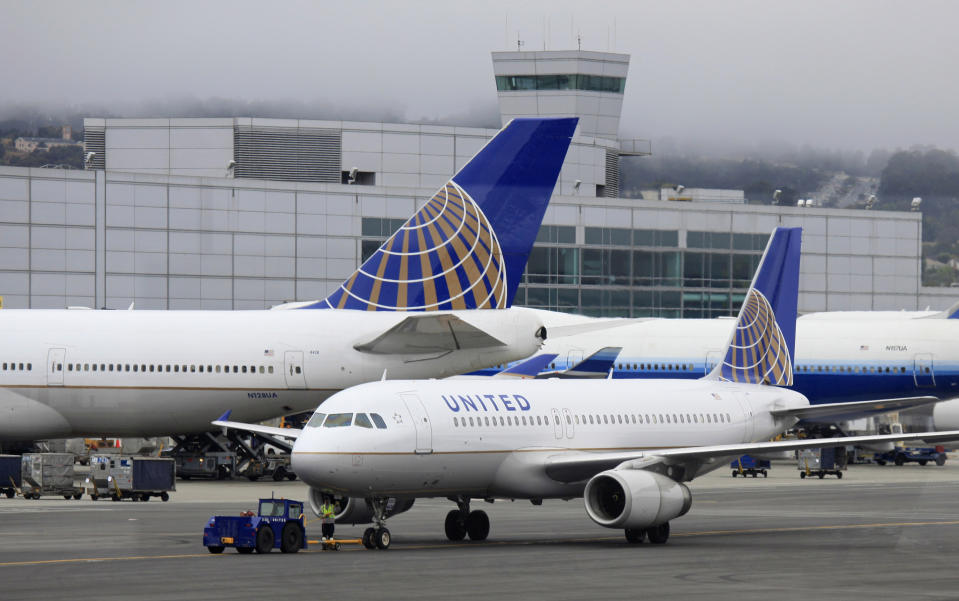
point(289, 154)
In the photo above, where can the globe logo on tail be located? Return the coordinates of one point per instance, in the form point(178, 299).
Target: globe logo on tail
point(444, 257)
point(758, 353)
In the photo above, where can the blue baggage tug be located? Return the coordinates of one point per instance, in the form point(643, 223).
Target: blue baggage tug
point(277, 525)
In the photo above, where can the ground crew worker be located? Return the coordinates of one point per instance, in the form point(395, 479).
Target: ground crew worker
point(327, 517)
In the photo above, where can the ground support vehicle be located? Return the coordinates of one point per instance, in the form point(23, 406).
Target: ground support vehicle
point(9, 475)
point(820, 462)
point(216, 465)
point(278, 524)
point(277, 466)
point(45, 474)
point(750, 466)
point(921, 455)
point(136, 478)
point(98, 479)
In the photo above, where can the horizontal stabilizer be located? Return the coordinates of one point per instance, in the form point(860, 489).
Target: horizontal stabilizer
point(593, 325)
point(836, 412)
point(428, 333)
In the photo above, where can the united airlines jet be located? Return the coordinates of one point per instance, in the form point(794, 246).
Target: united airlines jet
point(626, 446)
point(433, 301)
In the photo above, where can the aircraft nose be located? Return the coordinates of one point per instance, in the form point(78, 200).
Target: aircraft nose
point(311, 461)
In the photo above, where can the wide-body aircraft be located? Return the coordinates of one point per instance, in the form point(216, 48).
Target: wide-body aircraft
point(626, 446)
point(434, 300)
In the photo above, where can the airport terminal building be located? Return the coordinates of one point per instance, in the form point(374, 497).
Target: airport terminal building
point(246, 213)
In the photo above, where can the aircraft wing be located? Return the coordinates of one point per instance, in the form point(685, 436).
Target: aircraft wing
point(428, 333)
point(257, 428)
point(528, 368)
point(834, 412)
point(580, 465)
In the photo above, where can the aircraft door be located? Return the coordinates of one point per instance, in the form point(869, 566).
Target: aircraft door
point(712, 360)
point(293, 369)
point(923, 371)
point(421, 421)
point(574, 357)
point(569, 423)
point(558, 429)
point(746, 410)
point(55, 366)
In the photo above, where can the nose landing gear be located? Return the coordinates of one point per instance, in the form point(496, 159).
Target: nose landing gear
point(462, 522)
point(378, 537)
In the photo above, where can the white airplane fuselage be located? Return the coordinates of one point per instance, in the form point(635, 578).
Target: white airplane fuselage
point(494, 439)
point(147, 373)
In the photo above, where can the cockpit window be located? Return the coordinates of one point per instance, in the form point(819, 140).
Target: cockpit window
point(316, 421)
point(338, 420)
point(378, 421)
point(362, 421)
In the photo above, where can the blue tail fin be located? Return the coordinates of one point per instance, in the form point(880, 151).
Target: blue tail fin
point(467, 247)
point(763, 343)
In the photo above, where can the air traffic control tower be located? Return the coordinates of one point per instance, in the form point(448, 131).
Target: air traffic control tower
point(570, 83)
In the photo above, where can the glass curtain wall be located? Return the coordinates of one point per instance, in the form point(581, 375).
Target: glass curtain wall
point(628, 273)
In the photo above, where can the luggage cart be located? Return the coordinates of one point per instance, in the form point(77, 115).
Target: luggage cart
point(821, 462)
point(135, 478)
point(49, 474)
point(748, 465)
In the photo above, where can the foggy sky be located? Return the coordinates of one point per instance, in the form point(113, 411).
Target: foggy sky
point(852, 74)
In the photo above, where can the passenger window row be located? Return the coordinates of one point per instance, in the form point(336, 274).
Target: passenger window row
point(166, 368)
point(17, 366)
point(656, 366)
point(507, 420)
point(844, 369)
point(595, 419)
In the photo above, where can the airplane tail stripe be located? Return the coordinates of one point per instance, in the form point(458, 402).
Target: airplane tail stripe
point(429, 286)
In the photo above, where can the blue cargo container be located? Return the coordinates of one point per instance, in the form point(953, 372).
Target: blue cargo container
point(9, 475)
point(747, 465)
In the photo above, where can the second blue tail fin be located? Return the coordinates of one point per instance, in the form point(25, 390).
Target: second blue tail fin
point(763, 342)
point(467, 247)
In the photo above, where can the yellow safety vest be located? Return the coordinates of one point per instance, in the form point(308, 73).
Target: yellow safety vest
point(328, 513)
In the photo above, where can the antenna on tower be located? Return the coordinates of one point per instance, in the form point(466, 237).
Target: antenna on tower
point(519, 43)
point(579, 41)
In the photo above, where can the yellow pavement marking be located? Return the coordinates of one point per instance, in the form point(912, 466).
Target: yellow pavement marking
point(512, 543)
point(39, 562)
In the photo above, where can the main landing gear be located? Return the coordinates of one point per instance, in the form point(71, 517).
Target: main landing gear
point(378, 537)
point(462, 522)
point(657, 535)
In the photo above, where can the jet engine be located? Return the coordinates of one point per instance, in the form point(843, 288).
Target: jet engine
point(355, 510)
point(633, 499)
point(945, 415)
